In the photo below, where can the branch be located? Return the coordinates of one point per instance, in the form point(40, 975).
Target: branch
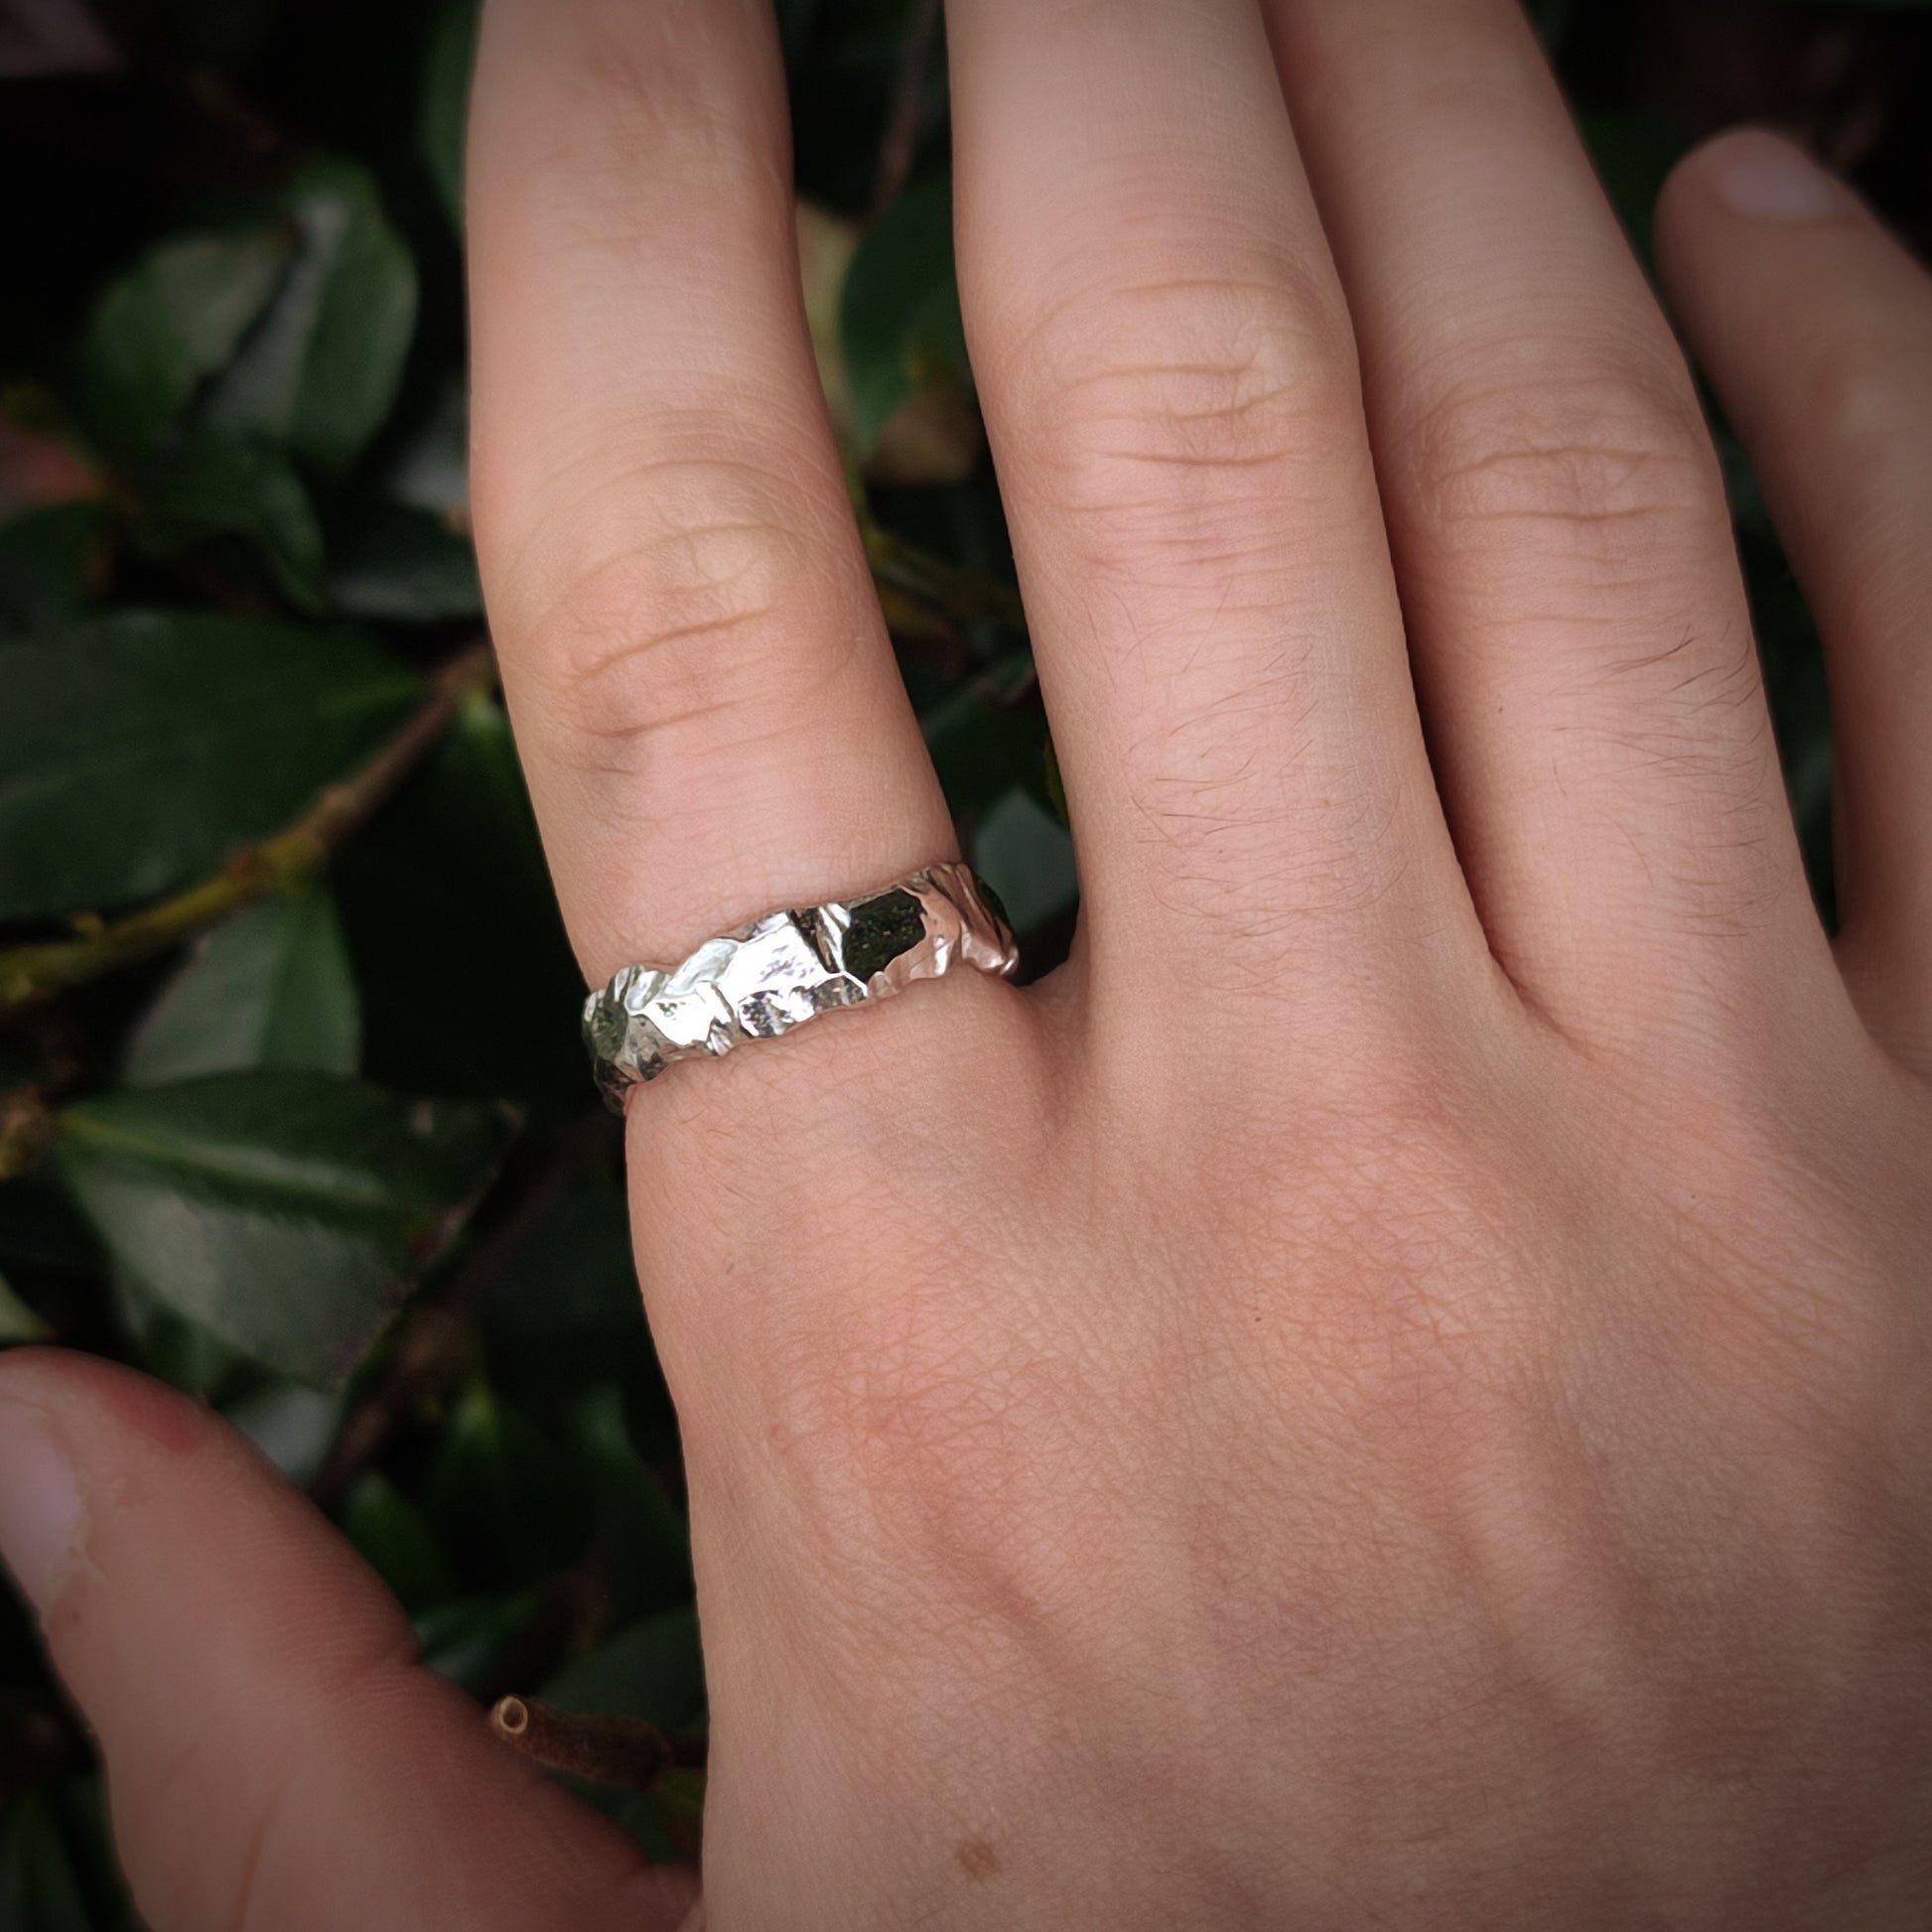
point(281, 863)
point(903, 120)
point(620, 1752)
point(433, 1342)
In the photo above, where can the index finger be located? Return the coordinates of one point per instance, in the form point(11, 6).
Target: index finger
point(275, 1754)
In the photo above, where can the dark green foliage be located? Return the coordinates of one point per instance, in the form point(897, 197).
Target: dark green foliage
point(898, 321)
point(39, 1892)
point(285, 1212)
point(387, 560)
point(1634, 154)
point(271, 986)
point(397, 1542)
point(319, 372)
point(333, 1157)
point(168, 325)
point(650, 1670)
point(51, 564)
point(18, 1323)
point(455, 876)
point(139, 749)
point(211, 486)
point(451, 53)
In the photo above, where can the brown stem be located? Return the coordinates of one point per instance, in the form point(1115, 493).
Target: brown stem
point(619, 1751)
point(283, 862)
point(433, 1342)
point(902, 118)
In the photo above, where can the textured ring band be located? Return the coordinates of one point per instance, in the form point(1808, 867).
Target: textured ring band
point(765, 977)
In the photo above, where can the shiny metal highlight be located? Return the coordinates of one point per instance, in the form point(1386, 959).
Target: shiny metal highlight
point(765, 977)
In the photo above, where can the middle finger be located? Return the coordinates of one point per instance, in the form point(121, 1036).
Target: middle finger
point(1170, 383)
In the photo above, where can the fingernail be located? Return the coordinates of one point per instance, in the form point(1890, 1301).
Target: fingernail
point(39, 1504)
point(1765, 176)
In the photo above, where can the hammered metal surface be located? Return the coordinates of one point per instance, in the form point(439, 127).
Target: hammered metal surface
point(779, 971)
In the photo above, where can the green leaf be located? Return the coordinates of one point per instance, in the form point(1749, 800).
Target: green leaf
point(40, 1235)
point(404, 565)
point(271, 986)
point(137, 750)
point(426, 454)
point(211, 486)
point(454, 872)
point(989, 735)
point(82, 1807)
point(53, 564)
point(321, 370)
point(288, 1213)
point(1028, 858)
point(173, 1349)
point(645, 1545)
point(161, 331)
point(567, 1311)
point(445, 113)
point(900, 325)
point(293, 1427)
point(37, 1890)
point(396, 1541)
point(466, 1641)
point(1551, 20)
point(18, 1322)
point(503, 1493)
point(653, 1671)
point(678, 1800)
point(1634, 154)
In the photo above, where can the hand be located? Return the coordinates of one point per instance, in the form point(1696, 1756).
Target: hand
point(1393, 1390)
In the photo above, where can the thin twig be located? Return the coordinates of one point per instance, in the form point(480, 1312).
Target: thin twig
point(281, 863)
point(623, 1752)
point(433, 1342)
point(902, 117)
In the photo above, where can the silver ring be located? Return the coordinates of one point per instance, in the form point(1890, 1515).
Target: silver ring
point(764, 979)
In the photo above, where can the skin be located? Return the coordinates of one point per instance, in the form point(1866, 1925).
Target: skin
point(1393, 1391)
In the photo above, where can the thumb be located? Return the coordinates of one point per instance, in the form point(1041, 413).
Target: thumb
point(275, 1757)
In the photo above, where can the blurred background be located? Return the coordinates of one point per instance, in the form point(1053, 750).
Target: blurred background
point(293, 1112)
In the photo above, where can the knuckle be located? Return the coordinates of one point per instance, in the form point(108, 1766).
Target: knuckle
point(1172, 412)
point(690, 622)
point(1551, 443)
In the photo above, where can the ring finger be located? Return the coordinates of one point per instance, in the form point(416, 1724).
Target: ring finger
point(704, 694)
